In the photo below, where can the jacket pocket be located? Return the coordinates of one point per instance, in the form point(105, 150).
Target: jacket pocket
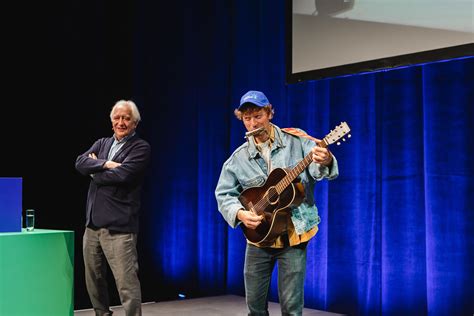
point(257, 181)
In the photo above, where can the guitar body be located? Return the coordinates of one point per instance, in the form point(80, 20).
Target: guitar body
point(275, 208)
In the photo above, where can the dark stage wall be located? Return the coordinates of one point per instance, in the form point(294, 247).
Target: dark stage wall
point(395, 236)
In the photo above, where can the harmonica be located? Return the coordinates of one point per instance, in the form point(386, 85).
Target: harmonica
point(255, 132)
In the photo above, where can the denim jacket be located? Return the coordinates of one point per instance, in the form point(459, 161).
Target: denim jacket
point(246, 168)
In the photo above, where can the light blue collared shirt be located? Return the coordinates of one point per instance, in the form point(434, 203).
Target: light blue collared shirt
point(117, 145)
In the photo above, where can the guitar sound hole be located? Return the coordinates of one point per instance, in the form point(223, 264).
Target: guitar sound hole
point(272, 195)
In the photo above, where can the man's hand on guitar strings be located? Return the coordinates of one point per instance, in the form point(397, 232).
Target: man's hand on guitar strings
point(322, 156)
point(249, 219)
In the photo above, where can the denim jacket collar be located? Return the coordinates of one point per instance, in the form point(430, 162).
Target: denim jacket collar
point(277, 140)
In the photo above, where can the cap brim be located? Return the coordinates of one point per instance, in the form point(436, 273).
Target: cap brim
point(260, 105)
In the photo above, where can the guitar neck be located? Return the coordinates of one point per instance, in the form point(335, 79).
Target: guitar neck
point(299, 168)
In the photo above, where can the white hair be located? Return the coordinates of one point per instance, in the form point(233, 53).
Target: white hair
point(131, 105)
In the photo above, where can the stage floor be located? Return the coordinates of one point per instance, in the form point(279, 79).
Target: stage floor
point(228, 305)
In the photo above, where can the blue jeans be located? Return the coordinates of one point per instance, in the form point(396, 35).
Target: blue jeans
point(259, 264)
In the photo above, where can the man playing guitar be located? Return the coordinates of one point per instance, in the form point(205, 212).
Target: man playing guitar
point(273, 204)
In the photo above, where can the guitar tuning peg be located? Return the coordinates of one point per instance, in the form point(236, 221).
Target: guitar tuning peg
point(349, 135)
point(338, 143)
point(343, 139)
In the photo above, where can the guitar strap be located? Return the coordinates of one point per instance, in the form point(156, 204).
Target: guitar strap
point(297, 132)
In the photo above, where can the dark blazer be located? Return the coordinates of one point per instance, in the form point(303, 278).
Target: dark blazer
point(114, 196)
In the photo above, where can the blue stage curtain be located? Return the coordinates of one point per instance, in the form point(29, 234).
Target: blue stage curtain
point(396, 235)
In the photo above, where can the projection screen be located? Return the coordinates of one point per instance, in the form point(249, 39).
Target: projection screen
point(329, 38)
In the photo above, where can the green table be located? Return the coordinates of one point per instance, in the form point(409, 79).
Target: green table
point(37, 273)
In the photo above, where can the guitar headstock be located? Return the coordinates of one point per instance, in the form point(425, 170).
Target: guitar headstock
point(337, 133)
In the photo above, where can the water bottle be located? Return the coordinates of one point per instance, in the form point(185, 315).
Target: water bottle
point(30, 220)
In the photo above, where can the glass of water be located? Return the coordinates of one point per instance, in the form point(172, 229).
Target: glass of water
point(30, 220)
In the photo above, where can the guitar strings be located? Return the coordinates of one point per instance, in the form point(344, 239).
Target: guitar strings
point(264, 202)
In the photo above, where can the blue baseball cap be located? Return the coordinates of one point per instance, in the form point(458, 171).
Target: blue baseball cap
point(254, 97)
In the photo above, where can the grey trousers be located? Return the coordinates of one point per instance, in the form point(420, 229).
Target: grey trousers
point(120, 252)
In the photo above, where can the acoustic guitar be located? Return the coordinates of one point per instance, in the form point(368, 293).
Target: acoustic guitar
point(280, 193)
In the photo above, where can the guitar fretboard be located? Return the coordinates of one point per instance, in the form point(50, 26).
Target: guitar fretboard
point(295, 172)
